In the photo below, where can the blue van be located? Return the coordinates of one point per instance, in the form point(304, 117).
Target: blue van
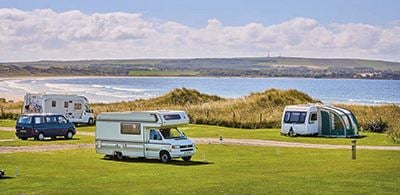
point(44, 125)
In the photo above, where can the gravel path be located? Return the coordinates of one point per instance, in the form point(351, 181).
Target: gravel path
point(228, 141)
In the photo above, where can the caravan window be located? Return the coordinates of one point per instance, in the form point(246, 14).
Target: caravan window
point(65, 104)
point(130, 128)
point(313, 117)
point(77, 106)
point(295, 117)
point(53, 103)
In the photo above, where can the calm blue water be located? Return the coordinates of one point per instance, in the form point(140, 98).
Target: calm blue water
point(111, 89)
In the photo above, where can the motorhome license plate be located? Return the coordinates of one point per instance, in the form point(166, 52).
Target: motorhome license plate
point(23, 131)
point(186, 153)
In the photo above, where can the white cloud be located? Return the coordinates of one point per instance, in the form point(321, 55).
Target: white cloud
point(46, 34)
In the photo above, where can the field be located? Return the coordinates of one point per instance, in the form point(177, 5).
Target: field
point(225, 169)
point(162, 73)
point(214, 169)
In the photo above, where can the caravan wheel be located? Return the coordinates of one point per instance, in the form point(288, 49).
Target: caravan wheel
point(118, 156)
point(291, 133)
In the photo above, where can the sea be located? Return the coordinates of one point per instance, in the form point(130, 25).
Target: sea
point(116, 89)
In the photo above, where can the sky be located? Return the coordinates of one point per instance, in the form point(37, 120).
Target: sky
point(71, 30)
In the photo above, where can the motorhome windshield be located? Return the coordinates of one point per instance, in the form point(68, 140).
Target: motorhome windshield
point(172, 133)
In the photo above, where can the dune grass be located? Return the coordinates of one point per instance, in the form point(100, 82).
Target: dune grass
point(226, 169)
point(7, 123)
point(255, 111)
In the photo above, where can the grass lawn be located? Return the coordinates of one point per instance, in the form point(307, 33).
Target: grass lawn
point(7, 136)
point(162, 73)
point(7, 123)
point(378, 139)
point(227, 169)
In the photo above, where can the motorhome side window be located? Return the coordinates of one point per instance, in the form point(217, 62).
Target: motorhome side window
point(65, 104)
point(130, 128)
point(53, 103)
point(295, 117)
point(77, 106)
point(154, 135)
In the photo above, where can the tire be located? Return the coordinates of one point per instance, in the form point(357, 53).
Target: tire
point(186, 158)
point(118, 156)
point(40, 137)
point(291, 133)
point(69, 135)
point(90, 121)
point(165, 157)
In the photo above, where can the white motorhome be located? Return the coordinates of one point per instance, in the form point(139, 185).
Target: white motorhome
point(148, 134)
point(319, 119)
point(74, 107)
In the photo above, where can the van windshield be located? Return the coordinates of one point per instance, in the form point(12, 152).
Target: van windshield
point(24, 120)
point(172, 133)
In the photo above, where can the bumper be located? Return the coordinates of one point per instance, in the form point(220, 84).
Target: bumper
point(177, 153)
point(26, 134)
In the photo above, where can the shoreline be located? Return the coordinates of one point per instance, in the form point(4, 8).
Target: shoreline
point(8, 94)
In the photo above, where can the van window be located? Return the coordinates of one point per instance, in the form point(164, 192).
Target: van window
point(295, 117)
point(51, 119)
point(53, 103)
point(78, 106)
point(24, 120)
point(62, 120)
point(65, 104)
point(130, 128)
point(39, 120)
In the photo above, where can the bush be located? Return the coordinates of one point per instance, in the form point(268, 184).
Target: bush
point(378, 126)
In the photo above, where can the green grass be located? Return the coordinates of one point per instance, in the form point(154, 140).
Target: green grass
point(7, 123)
point(227, 169)
point(162, 73)
point(5, 136)
point(378, 139)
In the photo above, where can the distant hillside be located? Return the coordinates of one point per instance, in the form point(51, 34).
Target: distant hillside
point(244, 67)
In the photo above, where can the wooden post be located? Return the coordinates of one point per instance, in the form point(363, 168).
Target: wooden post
point(260, 117)
point(2, 111)
point(207, 114)
point(353, 149)
point(233, 116)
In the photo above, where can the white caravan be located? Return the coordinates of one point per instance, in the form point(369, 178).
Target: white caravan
point(148, 134)
point(73, 107)
point(319, 119)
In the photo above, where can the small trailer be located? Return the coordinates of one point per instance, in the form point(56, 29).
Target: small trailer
point(148, 134)
point(74, 107)
point(319, 119)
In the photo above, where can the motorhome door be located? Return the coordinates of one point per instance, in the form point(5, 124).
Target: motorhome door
point(153, 144)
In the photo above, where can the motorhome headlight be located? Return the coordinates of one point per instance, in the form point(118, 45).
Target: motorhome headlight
point(175, 147)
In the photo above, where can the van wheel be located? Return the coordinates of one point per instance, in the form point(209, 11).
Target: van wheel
point(187, 158)
point(69, 135)
point(90, 121)
point(118, 156)
point(291, 133)
point(165, 157)
point(40, 137)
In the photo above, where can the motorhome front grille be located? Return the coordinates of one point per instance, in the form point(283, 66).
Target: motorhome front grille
point(185, 150)
point(187, 146)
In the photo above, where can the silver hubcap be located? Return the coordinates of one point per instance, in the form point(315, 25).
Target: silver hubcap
point(41, 137)
point(69, 135)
